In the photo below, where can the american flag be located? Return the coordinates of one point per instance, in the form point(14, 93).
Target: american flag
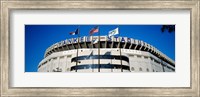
point(94, 30)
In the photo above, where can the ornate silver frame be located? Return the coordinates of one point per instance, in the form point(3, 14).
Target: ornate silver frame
point(8, 5)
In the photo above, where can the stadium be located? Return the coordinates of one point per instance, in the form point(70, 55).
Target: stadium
point(104, 54)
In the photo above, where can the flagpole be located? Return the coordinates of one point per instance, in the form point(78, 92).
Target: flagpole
point(92, 55)
point(77, 49)
point(120, 51)
point(110, 54)
point(99, 51)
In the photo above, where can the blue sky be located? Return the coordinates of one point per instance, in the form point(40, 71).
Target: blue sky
point(39, 37)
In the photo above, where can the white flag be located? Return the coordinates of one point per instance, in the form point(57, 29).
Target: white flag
point(113, 32)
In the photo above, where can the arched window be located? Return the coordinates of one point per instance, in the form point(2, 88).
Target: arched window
point(140, 69)
point(147, 69)
point(132, 68)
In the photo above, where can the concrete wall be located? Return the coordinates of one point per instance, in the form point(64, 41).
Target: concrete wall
point(139, 61)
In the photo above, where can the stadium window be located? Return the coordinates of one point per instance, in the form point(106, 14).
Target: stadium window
point(122, 45)
point(132, 68)
point(131, 55)
point(115, 44)
point(82, 45)
point(145, 57)
point(139, 56)
point(156, 61)
point(153, 70)
point(140, 69)
point(147, 70)
point(69, 56)
point(61, 57)
point(127, 45)
point(108, 44)
point(102, 44)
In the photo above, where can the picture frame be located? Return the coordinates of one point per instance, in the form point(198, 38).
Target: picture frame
point(7, 6)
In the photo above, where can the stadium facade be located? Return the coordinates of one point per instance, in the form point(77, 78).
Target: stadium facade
point(104, 54)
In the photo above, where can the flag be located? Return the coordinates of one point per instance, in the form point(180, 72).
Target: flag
point(74, 33)
point(94, 30)
point(113, 32)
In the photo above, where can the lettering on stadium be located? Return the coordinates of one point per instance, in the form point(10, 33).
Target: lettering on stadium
point(102, 38)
